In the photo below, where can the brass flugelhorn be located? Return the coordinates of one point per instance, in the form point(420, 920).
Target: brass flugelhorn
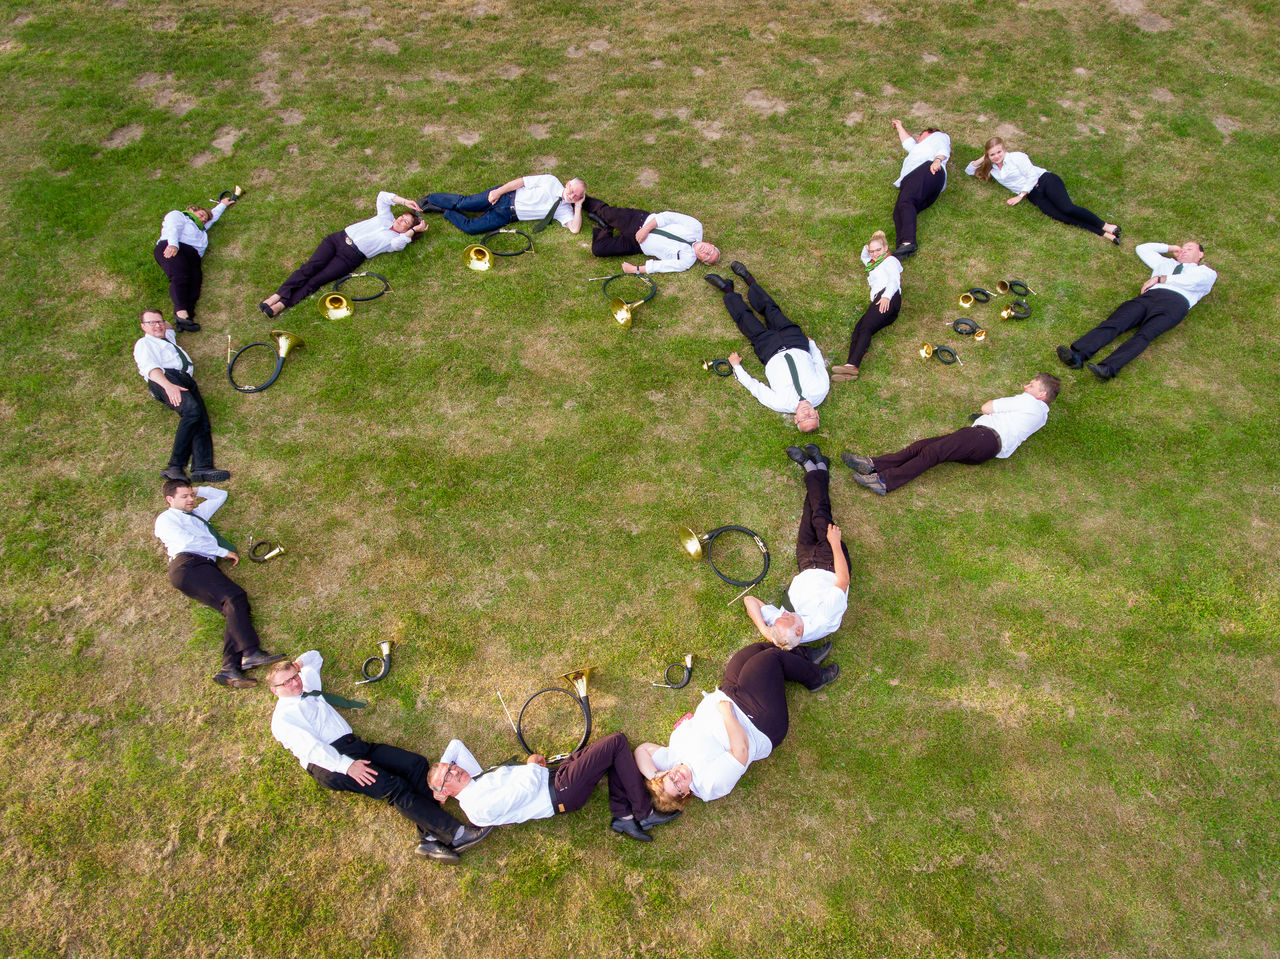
point(336, 306)
point(381, 663)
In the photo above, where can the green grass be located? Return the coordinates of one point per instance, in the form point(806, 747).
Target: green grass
point(1055, 730)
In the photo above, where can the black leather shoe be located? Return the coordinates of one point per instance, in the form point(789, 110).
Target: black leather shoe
point(815, 654)
point(815, 454)
point(1101, 371)
point(470, 836)
point(904, 250)
point(829, 674)
point(438, 851)
point(871, 481)
point(656, 818)
point(719, 282)
point(743, 272)
point(629, 827)
point(210, 476)
point(173, 473)
point(797, 455)
point(186, 326)
point(234, 678)
point(429, 207)
point(1069, 357)
point(859, 464)
point(598, 220)
point(259, 657)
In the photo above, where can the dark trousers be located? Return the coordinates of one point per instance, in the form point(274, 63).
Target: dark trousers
point(916, 194)
point(575, 779)
point(775, 334)
point(185, 276)
point(1050, 197)
point(619, 237)
point(972, 445)
point(194, 437)
point(200, 578)
point(488, 216)
point(1153, 313)
point(401, 782)
point(871, 323)
point(812, 549)
point(756, 677)
point(334, 258)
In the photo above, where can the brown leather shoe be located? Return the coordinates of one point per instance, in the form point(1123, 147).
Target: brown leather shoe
point(844, 373)
point(234, 678)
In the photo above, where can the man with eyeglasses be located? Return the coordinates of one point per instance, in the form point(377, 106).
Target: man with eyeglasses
point(505, 795)
point(307, 724)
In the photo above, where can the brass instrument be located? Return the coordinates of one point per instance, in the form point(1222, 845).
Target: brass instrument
point(687, 665)
point(578, 680)
point(383, 664)
point(285, 341)
point(237, 193)
point(263, 550)
point(718, 367)
point(1016, 287)
point(975, 294)
point(336, 306)
point(622, 310)
point(478, 257)
point(1017, 310)
point(698, 545)
point(945, 354)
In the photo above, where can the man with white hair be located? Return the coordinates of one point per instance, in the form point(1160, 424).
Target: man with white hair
point(672, 241)
point(538, 199)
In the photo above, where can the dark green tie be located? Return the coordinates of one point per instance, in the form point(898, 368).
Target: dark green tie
point(672, 236)
point(546, 220)
point(183, 358)
point(194, 219)
point(1178, 269)
point(795, 375)
point(333, 699)
point(222, 540)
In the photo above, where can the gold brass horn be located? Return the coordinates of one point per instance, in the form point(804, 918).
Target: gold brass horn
point(621, 310)
point(579, 679)
point(478, 257)
point(966, 300)
point(979, 334)
point(692, 542)
point(286, 341)
point(335, 306)
point(926, 349)
point(272, 550)
point(381, 663)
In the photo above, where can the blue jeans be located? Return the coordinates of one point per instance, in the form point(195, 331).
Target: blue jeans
point(492, 216)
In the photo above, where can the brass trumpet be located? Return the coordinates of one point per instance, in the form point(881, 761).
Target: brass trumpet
point(383, 664)
point(336, 306)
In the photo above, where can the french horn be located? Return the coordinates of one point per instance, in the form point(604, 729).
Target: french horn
point(285, 343)
point(697, 545)
point(945, 354)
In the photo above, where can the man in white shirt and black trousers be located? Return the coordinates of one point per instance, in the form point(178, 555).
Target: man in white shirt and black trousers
point(997, 431)
point(819, 594)
point(793, 365)
point(194, 548)
point(306, 723)
point(672, 240)
point(538, 199)
point(170, 377)
point(1178, 282)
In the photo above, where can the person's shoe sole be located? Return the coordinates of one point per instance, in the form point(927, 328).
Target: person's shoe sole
point(1068, 357)
point(862, 465)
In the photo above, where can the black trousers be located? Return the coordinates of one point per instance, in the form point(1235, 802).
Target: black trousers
point(401, 783)
point(972, 445)
point(334, 258)
point(756, 678)
point(871, 323)
point(619, 238)
point(575, 779)
point(916, 194)
point(1050, 197)
point(194, 437)
point(185, 276)
point(775, 334)
point(200, 578)
point(1152, 313)
point(812, 549)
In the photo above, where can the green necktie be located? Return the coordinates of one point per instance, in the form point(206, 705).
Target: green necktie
point(546, 220)
point(872, 265)
point(672, 236)
point(333, 699)
point(182, 354)
point(1178, 269)
point(194, 219)
point(222, 540)
point(795, 375)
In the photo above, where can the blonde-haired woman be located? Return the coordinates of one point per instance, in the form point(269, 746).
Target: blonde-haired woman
point(1045, 190)
point(884, 283)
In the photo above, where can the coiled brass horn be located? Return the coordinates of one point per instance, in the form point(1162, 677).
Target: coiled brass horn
point(263, 550)
point(336, 306)
point(1017, 310)
point(693, 544)
point(687, 666)
point(622, 310)
point(1016, 287)
point(285, 343)
point(945, 354)
point(478, 257)
point(383, 664)
point(578, 680)
point(718, 367)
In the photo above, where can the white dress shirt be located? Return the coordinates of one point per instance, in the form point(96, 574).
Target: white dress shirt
point(1014, 419)
point(306, 726)
point(818, 602)
point(780, 393)
point(183, 532)
point(1017, 173)
point(374, 235)
point(534, 199)
point(886, 278)
point(161, 353)
point(671, 256)
point(505, 794)
point(177, 227)
point(936, 144)
point(1193, 282)
point(702, 744)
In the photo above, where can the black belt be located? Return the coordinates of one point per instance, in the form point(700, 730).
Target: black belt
point(556, 807)
point(190, 556)
point(999, 442)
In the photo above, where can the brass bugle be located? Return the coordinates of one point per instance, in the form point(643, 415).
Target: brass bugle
point(335, 306)
point(979, 335)
point(381, 663)
point(692, 543)
point(478, 257)
point(263, 550)
point(1017, 310)
point(687, 666)
point(718, 367)
point(926, 350)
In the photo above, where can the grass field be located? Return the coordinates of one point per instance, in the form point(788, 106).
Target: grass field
point(1055, 733)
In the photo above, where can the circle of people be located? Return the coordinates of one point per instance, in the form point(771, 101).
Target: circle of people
point(746, 717)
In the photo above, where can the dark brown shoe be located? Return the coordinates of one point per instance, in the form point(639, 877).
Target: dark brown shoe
point(234, 678)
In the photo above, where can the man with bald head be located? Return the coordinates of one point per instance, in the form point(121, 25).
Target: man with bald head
point(538, 199)
point(672, 241)
point(1178, 281)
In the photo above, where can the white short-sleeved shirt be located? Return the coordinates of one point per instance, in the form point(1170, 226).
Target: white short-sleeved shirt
point(1014, 419)
point(534, 199)
point(818, 602)
point(505, 794)
point(702, 744)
